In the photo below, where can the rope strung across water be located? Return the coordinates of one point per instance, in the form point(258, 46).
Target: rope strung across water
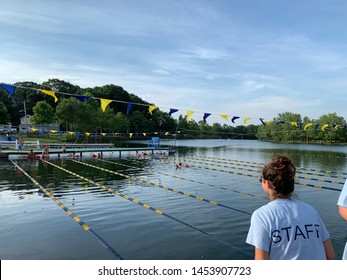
point(72, 215)
point(232, 166)
point(110, 190)
point(256, 176)
point(133, 178)
point(319, 172)
point(187, 179)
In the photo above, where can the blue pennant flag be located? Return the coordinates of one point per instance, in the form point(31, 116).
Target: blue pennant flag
point(172, 111)
point(206, 115)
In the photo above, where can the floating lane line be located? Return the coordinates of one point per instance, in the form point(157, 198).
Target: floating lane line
point(255, 176)
point(190, 180)
point(159, 212)
point(72, 215)
point(133, 178)
point(298, 168)
point(259, 165)
point(234, 166)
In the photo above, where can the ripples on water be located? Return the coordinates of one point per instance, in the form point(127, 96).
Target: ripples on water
point(34, 227)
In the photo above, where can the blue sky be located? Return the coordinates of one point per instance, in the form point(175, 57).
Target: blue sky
point(248, 58)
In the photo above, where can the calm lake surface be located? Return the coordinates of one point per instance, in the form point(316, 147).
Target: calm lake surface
point(150, 210)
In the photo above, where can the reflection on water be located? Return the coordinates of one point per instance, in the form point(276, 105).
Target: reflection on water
point(151, 210)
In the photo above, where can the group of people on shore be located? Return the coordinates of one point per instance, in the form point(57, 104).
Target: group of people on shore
point(287, 228)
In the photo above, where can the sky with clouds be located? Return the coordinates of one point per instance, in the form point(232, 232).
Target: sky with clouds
point(247, 58)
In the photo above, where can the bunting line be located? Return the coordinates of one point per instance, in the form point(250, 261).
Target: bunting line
point(10, 89)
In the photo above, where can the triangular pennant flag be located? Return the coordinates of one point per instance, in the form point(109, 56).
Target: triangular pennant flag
point(61, 133)
point(34, 129)
point(172, 111)
point(206, 115)
point(83, 98)
point(324, 127)
point(10, 90)
point(268, 122)
point(151, 108)
point(262, 120)
point(294, 124)
point(234, 119)
point(78, 134)
point(54, 131)
point(50, 93)
point(307, 126)
point(280, 122)
point(87, 133)
point(337, 126)
point(104, 103)
point(131, 135)
point(103, 134)
point(226, 117)
point(129, 107)
point(189, 114)
point(246, 120)
point(316, 127)
point(167, 133)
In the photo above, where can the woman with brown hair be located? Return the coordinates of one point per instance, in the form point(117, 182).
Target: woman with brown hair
point(286, 228)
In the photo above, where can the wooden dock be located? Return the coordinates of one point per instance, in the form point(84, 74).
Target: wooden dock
point(83, 151)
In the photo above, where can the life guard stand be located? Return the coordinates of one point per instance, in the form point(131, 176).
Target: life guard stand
point(154, 142)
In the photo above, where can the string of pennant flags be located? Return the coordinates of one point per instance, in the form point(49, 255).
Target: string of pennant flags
point(10, 89)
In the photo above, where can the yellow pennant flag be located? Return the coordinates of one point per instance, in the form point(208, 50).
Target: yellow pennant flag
point(307, 126)
point(87, 133)
point(151, 108)
point(131, 135)
point(167, 133)
point(294, 123)
point(54, 131)
point(246, 120)
point(103, 134)
point(324, 127)
point(337, 126)
point(50, 93)
point(34, 129)
point(268, 121)
point(144, 134)
point(71, 132)
point(189, 114)
point(226, 117)
point(104, 103)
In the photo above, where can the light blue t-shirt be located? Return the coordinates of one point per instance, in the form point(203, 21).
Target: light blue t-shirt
point(288, 229)
point(343, 202)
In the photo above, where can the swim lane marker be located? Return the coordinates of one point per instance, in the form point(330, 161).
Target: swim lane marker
point(72, 215)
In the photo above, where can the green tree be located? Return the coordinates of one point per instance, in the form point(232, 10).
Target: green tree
point(4, 116)
point(43, 113)
point(70, 114)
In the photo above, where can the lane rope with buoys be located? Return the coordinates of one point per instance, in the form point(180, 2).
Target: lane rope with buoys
point(252, 169)
point(319, 172)
point(257, 176)
point(159, 212)
point(133, 178)
point(72, 215)
point(186, 179)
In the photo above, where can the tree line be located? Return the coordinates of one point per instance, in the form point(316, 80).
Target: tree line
point(74, 115)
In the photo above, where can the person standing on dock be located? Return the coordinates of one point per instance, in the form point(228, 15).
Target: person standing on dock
point(286, 228)
point(342, 205)
point(19, 144)
point(45, 151)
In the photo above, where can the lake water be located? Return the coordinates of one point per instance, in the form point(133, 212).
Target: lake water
point(149, 210)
